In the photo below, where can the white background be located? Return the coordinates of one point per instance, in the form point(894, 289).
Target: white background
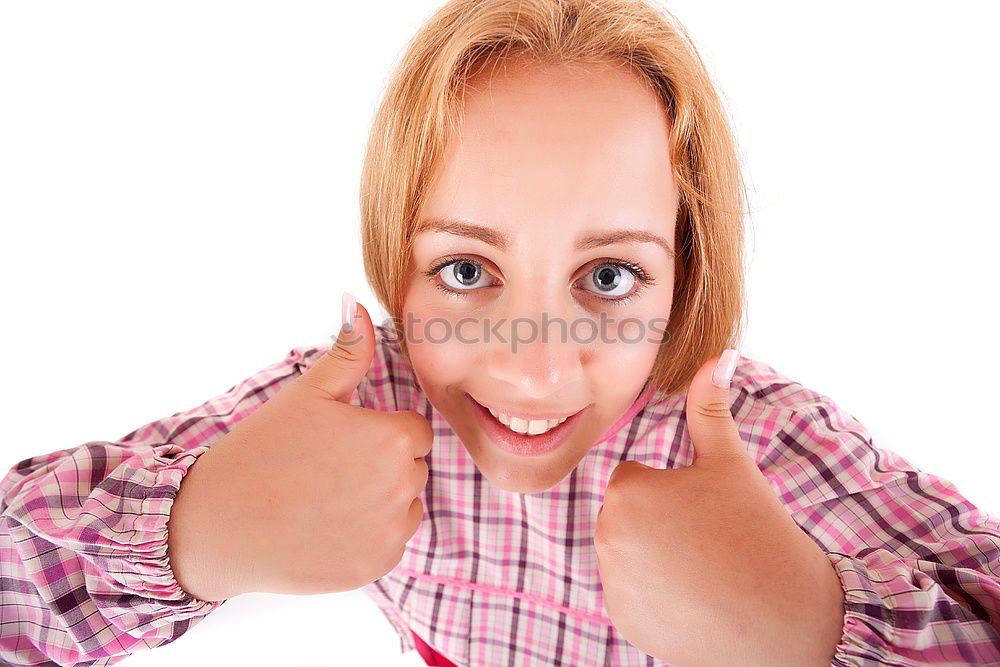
point(178, 201)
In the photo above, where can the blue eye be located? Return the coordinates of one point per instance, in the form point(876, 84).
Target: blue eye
point(460, 275)
point(611, 280)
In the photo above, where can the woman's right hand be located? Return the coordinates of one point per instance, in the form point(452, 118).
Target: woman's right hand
point(308, 494)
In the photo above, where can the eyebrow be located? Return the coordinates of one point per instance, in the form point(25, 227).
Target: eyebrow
point(499, 240)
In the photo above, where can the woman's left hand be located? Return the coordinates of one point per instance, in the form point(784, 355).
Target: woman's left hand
point(703, 565)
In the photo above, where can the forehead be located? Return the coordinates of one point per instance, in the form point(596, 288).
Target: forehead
point(546, 147)
point(523, 100)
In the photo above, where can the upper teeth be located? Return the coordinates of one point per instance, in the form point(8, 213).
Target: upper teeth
point(525, 426)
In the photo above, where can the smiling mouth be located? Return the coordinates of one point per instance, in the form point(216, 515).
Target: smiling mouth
point(525, 425)
point(522, 436)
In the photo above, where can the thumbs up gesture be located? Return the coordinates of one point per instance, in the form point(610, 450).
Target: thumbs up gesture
point(703, 565)
point(308, 494)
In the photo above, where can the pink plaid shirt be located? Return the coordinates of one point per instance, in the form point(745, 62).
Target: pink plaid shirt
point(493, 577)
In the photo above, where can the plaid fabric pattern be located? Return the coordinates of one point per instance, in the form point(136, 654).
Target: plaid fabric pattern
point(493, 577)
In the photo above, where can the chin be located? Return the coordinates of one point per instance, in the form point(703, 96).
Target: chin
point(522, 481)
point(521, 485)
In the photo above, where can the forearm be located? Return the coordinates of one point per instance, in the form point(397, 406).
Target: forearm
point(206, 555)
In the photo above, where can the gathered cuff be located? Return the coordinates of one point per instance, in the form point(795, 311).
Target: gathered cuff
point(125, 554)
point(869, 625)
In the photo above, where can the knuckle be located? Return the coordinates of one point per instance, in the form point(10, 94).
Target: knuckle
point(625, 499)
point(402, 494)
point(414, 429)
point(414, 517)
point(404, 439)
point(624, 475)
point(714, 409)
point(418, 514)
point(607, 537)
point(341, 354)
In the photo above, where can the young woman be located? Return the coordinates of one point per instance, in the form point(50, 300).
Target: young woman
point(552, 453)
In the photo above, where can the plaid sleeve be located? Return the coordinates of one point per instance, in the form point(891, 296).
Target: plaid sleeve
point(86, 577)
point(919, 563)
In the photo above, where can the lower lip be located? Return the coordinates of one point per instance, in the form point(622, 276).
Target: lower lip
point(524, 445)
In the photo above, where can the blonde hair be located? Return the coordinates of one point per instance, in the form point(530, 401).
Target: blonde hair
point(421, 106)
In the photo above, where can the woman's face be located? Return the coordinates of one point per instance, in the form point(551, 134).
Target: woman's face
point(543, 280)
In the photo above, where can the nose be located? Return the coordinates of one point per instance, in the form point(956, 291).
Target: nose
point(536, 355)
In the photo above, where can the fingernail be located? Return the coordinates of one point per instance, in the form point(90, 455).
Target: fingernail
point(722, 376)
point(348, 309)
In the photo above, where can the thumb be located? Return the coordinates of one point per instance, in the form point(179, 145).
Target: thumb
point(710, 423)
point(339, 371)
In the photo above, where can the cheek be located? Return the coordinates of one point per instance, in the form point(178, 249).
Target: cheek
point(633, 341)
point(623, 366)
point(438, 356)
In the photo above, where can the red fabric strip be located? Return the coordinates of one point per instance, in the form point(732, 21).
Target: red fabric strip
point(430, 656)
